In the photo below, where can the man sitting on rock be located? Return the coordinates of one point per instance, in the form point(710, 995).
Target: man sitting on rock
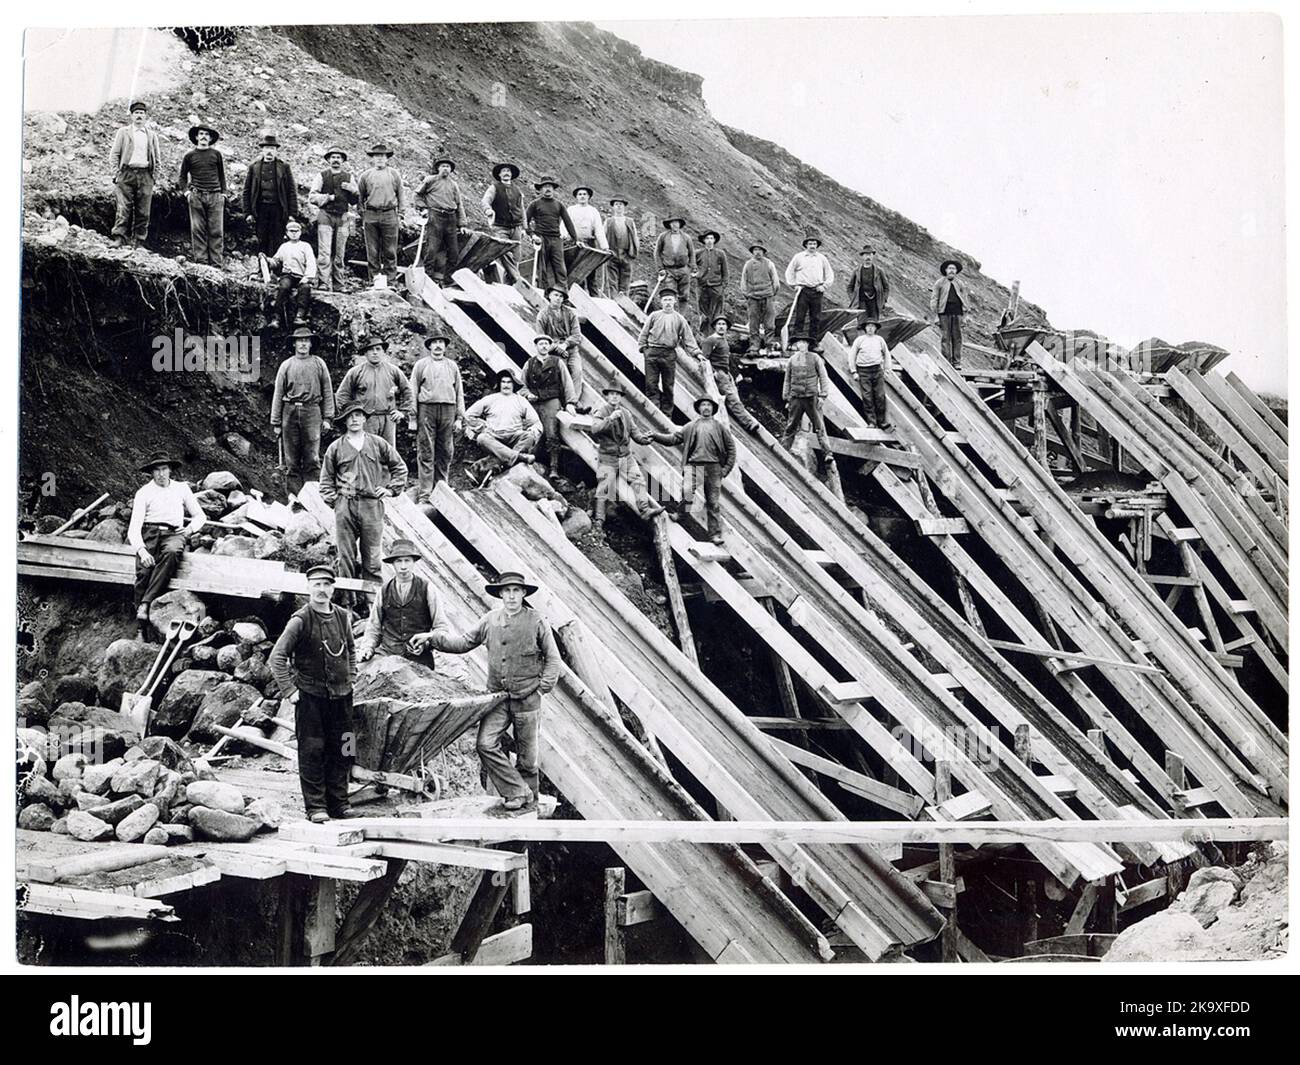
point(314, 663)
point(504, 424)
point(295, 262)
point(405, 615)
point(155, 531)
point(378, 384)
point(524, 662)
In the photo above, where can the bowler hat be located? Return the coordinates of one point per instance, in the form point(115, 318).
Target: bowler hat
point(760, 247)
point(618, 199)
point(943, 266)
point(706, 399)
point(711, 233)
point(321, 569)
point(721, 318)
point(402, 549)
point(379, 149)
point(303, 332)
point(546, 180)
point(674, 218)
point(159, 458)
point(269, 141)
point(336, 150)
point(585, 188)
point(374, 342)
point(514, 170)
point(351, 408)
point(213, 135)
point(506, 580)
point(450, 162)
point(436, 336)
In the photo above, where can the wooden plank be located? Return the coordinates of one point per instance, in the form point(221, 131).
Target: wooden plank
point(1243, 418)
point(479, 915)
point(1074, 656)
point(615, 942)
point(1144, 893)
point(460, 855)
point(677, 605)
point(113, 857)
point(1191, 392)
point(91, 905)
point(942, 526)
point(860, 784)
point(505, 948)
point(947, 865)
point(637, 907)
point(1262, 409)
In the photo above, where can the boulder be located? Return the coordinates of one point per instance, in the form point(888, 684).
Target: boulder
point(267, 811)
point(37, 817)
point(77, 687)
point(248, 631)
point(268, 545)
point(108, 531)
point(221, 826)
point(255, 671)
point(60, 826)
point(97, 778)
point(174, 715)
point(139, 777)
point(239, 445)
point(86, 800)
point(47, 523)
point(1211, 873)
point(174, 833)
point(1169, 936)
point(236, 498)
point(133, 754)
point(84, 826)
point(529, 481)
point(575, 523)
point(221, 481)
point(40, 743)
point(126, 663)
point(99, 745)
point(156, 837)
point(1206, 900)
point(221, 706)
point(229, 658)
point(135, 824)
point(39, 691)
point(303, 529)
point(235, 547)
point(69, 767)
point(32, 711)
point(167, 751)
point(212, 502)
point(215, 795)
point(204, 655)
point(178, 603)
point(69, 788)
point(113, 812)
point(37, 788)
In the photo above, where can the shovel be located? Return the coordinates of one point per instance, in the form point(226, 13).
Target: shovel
point(785, 329)
point(654, 292)
point(137, 704)
point(415, 275)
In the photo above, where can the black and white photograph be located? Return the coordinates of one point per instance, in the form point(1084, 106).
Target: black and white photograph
point(638, 490)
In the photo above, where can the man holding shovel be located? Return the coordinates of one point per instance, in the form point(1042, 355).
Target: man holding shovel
point(155, 531)
point(523, 662)
point(810, 274)
point(544, 217)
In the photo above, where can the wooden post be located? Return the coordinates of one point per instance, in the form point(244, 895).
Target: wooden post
point(365, 912)
point(947, 865)
point(675, 601)
point(291, 920)
point(615, 939)
point(321, 919)
point(1040, 423)
point(1025, 745)
point(1028, 911)
point(479, 914)
point(1177, 773)
point(1108, 908)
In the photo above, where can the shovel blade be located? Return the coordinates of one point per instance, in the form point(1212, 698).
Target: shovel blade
point(136, 707)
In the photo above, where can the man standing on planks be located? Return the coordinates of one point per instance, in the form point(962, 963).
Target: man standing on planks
point(314, 663)
point(544, 217)
point(708, 456)
point(949, 301)
point(664, 331)
point(383, 201)
point(360, 469)
point(806, 386)
point(503, 204)
point(270, 196)
point(203, 180)
point(439, 195)
point(549, 387)
point(591, 231)
point(870, 355)
point(333, 190)
point(559, 321)
point(440, 411)
point(406, 611)
point(711, 275)
point(378, 384)
point(759, 284)
point(624, 245)
point(869, 285)
point(524, 662)
point(810, 274)
point(135, 161)
point(613, 431)
point(301, 407)
point(675, 258)
point(155, 530)
point(716, 352)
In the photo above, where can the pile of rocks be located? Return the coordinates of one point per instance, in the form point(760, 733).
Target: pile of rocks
point(152, 793)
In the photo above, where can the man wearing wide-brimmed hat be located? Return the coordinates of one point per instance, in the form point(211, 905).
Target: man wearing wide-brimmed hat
point(810, 274)
point(804, 389)
point(549, 387)
point(503, 204)
point(675, 258)
point(708, 456)
point(333, 191)
point(711, 273)
point(440, 411)
point(544, 217)
point(623, 241)
point(504, 424)
point(203, 180)
point(360, 470)
point(439, 195)
point(157, 530)
point(270, 195)
point(869, 285)
point(135, 161)
point(665, 330)
point(949, 301)
point(301, 407)
point(406, 612)
point(715, 352)
point(613, 431)
point(314, 663)
point(559, 321)
point(524, 662)
point(591, 230)
point(378, 384)
point(870, 357)
point(759, 284)
point(383, 201)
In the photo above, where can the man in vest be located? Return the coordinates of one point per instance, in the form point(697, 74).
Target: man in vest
point(675, 257)
point(524, 662)
point(157, 529)
point(805, 386)
point(504, 424)
point(622, 239)
point(711, 275)
point(503, 204)
point(378, 385)
point(314, 663)
point(440, 412)
point(548, 387)
point(708, 456)
point(301, 407)
point(405, 614)
point(439, 195)
point(664, 331)
point(333, 190)
point(270, 196)
point(359, 471)
point(295, 263)
point(203, 180)
point(869, 285)
point(715, 352)
point(949, 301)
point(135, 161)
point(810, 274)
point(613, 432)
point(559, 321)
point(590, 228)
point(383, 201)
point(544, 217)
point(759, 283)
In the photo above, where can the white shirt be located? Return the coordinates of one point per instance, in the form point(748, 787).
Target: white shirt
point(298, 259)
point(162, 505)
point(869, 350)
point(587, 224)
point(810, 269)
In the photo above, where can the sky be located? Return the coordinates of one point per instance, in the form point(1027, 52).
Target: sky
point(1126, 169)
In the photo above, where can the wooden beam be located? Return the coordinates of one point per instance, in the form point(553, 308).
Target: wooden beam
point(505, 948)
point(881, 794)
point(615, 940)
point(676, 603)
point(479, 914)
point(947, 865)
point(1072, 656)
point(91, 905)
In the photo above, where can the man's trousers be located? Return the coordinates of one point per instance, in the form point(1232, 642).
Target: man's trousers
point(762, 321)
point(133, 188)
point(380, 230)
point(661, 377)
point(807, 309)
point(441, 245)
point(435, 446)
point(796, 408)
point(331, 249)
point(359, 530)
point(950, 338)
point(207, 226)
point(166, 545)
point(326, 745)
point(525, 715)
point(871, 383)
point(300, 426)
point(710, 473)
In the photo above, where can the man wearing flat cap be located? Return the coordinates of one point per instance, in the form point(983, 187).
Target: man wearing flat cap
point(616, 467)
point(294, 264)
point(377, 383)
point(314, 663)
point(869, 285)
point(759, 284)
point(559, 321)
point(440, 410)
point(524, 662)
point(333, 191)
point(383, 202)
point(301, 407)
point(503, 204)
point(406, 611)
point(548, 388)
point(439, 195)
point(270, 195)
point(663, 333)
point(203, 180)
point(949, 301)
point(157, 530)
point(135, 161)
